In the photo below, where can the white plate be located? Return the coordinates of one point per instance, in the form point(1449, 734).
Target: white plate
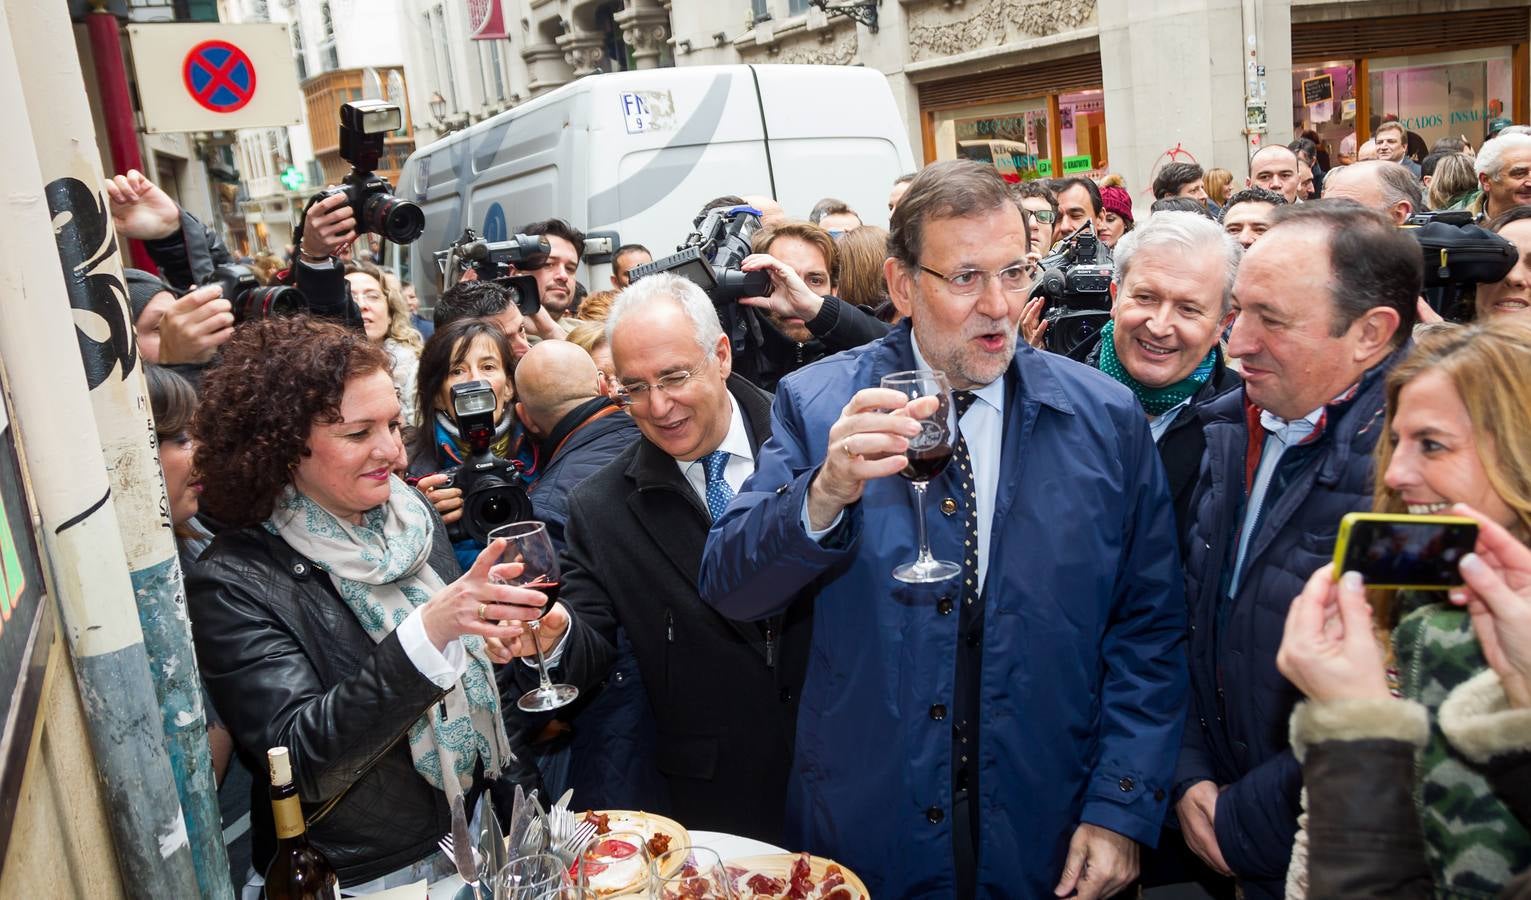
point(729, 846)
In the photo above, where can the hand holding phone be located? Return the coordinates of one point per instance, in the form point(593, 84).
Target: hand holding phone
point(1403, 552)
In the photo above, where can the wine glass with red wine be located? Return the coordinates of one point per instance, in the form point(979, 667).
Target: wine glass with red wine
point(927, 456)
point(528, 543)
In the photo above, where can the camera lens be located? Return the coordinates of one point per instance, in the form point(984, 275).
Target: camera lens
point(269, 302)
point(396, 219)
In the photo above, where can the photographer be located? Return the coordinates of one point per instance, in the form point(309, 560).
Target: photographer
point(806, 321)
point(187, 251)
point(460, 351)
point(183, 331)
point(555, 278)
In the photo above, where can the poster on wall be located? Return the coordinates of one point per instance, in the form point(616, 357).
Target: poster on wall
point(1317, 89)
point(1255, 119)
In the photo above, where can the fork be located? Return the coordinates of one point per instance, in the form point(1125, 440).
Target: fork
point(574, 843)
point(447, 846)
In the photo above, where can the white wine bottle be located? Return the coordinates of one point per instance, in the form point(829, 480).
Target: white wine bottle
point(298, 871)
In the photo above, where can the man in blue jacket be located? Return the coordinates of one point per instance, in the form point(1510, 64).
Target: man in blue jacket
point(1324, 302)
point(1011, 731)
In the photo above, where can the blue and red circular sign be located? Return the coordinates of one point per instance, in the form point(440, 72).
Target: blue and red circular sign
point(219, 76)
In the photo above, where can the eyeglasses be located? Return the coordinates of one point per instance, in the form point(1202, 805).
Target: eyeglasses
point(630, 395)
point(969, 282)
point(1045, 216)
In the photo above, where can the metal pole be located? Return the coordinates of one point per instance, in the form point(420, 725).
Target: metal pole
point(66, 148)
point(80, 529)
point(116, 104)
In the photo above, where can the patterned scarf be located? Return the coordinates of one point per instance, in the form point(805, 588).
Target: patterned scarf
point(1156, 401)
point(381, 570)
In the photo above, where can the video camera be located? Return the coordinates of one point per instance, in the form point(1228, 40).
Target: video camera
point(493, 492)
point(710, 256)
point(364, 127)
point(1076, 288)
point(1458, 254)
point(495, 261)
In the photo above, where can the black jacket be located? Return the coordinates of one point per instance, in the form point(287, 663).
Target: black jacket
point(724, 693)
point(588, 438)
point(1184, 443)
point(838, 326)
point(287, 664)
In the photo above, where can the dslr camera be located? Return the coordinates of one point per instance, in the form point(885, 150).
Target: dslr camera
point(496, 261)
point(711, 255)
point(253, 301)
point(493, 492)
point(1458, 255)
point(364, 127)
point(1076, 289)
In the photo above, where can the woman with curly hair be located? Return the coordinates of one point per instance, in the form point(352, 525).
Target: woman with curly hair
point(385, 316)
point(330, 615)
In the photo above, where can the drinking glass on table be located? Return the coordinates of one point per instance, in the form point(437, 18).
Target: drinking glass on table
point(528, 543)
point(700, 876)
point(613, 862)
point(928, 453)
point(530, 877)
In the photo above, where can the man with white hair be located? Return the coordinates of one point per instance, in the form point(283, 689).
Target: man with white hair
point(1174, 294)
point(723, 694)
point(1504, 175)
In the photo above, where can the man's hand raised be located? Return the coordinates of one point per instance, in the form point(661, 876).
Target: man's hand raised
point(140, 210)
point(867, 441)
point(790, 296)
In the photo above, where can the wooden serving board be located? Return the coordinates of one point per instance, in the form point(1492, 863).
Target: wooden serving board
point(779, 865)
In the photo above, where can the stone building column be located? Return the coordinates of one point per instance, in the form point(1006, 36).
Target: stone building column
point(583, 50)
point(645, 27)
point(548, 69)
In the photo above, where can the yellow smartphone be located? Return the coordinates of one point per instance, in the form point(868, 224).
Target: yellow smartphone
point(1404, 552)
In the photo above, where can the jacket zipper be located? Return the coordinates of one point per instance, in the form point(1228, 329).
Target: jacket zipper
point(770, 645)
point(669, 637)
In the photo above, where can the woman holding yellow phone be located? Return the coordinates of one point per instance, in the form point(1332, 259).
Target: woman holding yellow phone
point(1457, 430)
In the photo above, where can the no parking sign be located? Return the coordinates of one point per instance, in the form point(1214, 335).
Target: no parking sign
point(215, 77)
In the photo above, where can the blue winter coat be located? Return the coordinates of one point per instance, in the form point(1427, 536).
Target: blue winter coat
point(1236, 733)
point(1083, 680)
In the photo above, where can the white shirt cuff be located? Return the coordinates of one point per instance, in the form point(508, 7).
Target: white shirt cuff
point(818, 536)
point(442, 668)
point(555, 655)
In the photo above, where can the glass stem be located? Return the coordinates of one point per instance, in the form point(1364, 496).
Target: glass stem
point(919, 516)
point(544, 683)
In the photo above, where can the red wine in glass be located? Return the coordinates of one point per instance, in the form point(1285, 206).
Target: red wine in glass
point(926, 457)
point(550, 588)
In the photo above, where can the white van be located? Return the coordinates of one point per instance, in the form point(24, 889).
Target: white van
point(633, 156)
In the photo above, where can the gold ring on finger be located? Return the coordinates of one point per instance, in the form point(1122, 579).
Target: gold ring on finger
point(481, 608)
point(846, 446)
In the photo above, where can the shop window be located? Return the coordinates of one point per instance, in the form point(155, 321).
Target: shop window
point(1012, 137)
point(1082, 133)
point(1455, 96)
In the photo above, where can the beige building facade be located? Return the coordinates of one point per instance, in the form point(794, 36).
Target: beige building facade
point(1045, 88)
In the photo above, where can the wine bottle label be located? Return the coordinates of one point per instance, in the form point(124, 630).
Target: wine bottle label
point(288, 813)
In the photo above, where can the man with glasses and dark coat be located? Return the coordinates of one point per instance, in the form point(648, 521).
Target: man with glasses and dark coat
point(722, 693)
point(1011, 731)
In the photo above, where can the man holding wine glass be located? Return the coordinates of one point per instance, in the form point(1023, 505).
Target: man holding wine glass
point(996, 684)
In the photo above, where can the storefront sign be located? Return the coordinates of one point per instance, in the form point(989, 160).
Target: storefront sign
point(1072, 164)
point(1317, 90)
point(1044, 168)
point(1449, 117)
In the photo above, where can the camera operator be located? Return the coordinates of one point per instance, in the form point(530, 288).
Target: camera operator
point(806, 321)
point(555, 278)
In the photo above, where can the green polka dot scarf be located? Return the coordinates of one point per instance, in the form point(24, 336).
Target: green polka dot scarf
point(1156, 401)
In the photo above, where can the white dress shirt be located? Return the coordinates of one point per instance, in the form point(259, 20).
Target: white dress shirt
point(741, 459)
point(983, 426)
point(1280, 435)
point(443, 668)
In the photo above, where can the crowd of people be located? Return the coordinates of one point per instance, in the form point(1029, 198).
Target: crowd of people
point(1146, 672)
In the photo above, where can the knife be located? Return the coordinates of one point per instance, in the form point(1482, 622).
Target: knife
point(491, 840)
point(462, 843)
